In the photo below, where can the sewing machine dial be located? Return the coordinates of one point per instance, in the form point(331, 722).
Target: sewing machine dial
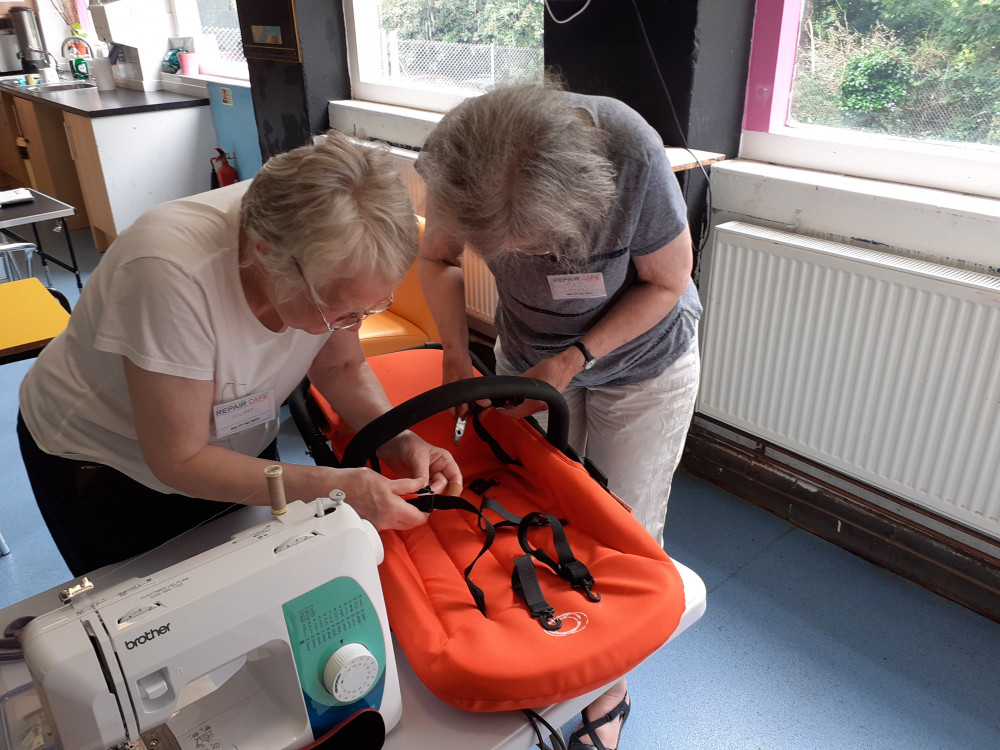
point(350, 673)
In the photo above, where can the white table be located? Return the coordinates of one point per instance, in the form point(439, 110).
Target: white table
point(426, 723)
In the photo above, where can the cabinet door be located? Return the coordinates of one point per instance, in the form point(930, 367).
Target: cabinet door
point(50, 155)
point(11, 162)
point(80, 131)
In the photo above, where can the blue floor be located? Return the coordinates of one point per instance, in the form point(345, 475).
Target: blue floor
point(803, 646)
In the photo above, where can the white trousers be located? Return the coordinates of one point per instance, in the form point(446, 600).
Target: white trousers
point(635, 433)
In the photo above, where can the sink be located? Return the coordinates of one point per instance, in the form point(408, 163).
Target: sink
point(60, 86)
point(40, 88)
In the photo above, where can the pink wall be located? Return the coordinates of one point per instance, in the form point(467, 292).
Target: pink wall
point(83, 15)
point(772, 63)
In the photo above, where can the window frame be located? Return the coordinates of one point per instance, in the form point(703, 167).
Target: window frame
point(431, 99)
point(187, 22)
point(766, 137)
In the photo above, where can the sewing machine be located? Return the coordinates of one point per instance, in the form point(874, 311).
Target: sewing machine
point(264, 642)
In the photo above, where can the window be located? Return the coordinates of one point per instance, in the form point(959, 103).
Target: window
point(217, 20)
point(924, 70)
point(901, 90)
point(430, 54)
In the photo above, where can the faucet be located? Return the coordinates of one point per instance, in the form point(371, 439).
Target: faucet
point(67, 40)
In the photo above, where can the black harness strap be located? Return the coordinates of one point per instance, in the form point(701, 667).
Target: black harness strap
point(566, 566)
point(524, 578)
point(524, 581)
point(427, 501)
point(484, 435)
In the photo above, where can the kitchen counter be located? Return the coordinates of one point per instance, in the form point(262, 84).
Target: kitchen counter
point(110, 154)
point(92, 103)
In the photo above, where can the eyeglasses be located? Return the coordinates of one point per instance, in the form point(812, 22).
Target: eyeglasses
point(354, 319)
point(351, 320)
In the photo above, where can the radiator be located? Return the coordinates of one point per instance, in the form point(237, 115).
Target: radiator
point(882, 367)
point(480, 289)
point(480, 286)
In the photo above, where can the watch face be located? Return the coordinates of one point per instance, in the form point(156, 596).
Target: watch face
point(589, 363)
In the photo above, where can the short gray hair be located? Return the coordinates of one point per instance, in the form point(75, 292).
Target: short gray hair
point(521, 161)
point(335, 207)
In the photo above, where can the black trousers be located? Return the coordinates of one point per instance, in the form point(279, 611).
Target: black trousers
point(98, 516)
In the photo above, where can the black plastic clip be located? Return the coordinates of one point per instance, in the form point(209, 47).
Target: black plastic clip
point(585, 586)
point(548, 619)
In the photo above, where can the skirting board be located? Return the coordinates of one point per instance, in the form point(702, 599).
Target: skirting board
point(935, 553)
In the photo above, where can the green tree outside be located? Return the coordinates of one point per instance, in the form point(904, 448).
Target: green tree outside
point(926, 69)
point(509, 23)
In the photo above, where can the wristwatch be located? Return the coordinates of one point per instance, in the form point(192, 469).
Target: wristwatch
point(589, 360)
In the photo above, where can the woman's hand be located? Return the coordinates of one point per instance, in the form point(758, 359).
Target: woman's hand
point(557, 371)
point(410, 456)
point(378, 499)
point(458, 366)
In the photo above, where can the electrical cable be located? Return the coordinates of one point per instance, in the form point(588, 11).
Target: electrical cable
point(565, 20)
point(703, 239)
point(555, 737)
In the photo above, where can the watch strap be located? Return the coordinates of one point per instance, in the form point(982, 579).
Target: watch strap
point(588, 358)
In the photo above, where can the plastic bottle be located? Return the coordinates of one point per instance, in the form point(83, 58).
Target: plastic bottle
point(80, 69)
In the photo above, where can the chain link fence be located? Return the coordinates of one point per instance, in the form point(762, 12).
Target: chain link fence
point(475, 66)
point(229, 40)
point(939, 102)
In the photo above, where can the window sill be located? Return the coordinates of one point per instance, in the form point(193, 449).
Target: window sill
point(973, 170)
point(402, 127)
point(935, 225)
point(197, 85)
point(408, 128)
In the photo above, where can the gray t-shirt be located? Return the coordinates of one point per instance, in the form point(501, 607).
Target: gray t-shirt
point(648, 212)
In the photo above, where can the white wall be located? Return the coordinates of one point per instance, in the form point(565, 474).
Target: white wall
point(54, 30)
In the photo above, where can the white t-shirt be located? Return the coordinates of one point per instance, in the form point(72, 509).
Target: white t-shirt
point(167, 295)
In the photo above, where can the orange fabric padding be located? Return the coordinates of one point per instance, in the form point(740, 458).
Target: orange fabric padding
point(388, 332)
point(508, 661)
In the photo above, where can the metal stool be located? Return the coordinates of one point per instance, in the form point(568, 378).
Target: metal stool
point(11, 272)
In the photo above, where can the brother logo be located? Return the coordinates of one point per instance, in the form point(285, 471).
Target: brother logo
point(147, 636)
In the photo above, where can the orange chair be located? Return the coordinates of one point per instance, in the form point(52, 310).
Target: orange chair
point(406, 324)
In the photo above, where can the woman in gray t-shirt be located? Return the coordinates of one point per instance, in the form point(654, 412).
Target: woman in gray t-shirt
point(572, 203)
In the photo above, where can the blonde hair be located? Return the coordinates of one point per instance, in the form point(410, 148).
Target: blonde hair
point(520, 162)
point(334, 208)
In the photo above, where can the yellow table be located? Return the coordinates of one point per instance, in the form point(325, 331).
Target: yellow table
point(30, 317)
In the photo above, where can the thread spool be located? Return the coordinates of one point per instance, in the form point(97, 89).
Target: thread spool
point(276, 490)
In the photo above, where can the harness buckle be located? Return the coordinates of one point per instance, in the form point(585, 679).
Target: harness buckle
point(585, 585)
point(548, 619)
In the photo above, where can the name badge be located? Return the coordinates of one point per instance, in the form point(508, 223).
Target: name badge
point(577, 286)
point(243, 413)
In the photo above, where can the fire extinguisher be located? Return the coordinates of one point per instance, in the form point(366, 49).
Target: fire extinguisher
point(222, 171)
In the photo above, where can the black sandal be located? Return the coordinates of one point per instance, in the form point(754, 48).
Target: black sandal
point(589, 727)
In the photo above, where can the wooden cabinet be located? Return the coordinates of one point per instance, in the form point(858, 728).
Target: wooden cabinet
point(80, 133)
point(140, 151)
point(131, 162)
point(11, 162)
point(52, 169)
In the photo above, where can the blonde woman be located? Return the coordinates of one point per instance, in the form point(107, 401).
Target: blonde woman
point(158, 406)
